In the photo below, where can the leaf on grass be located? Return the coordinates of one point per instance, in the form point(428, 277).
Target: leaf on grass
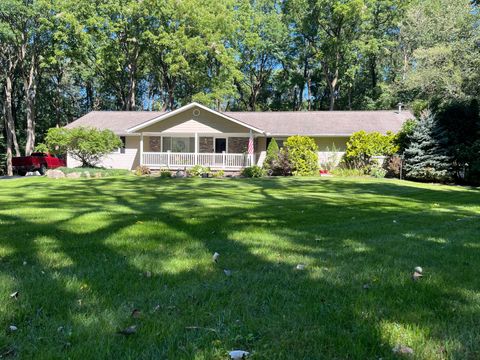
point(14, 295)
point(215, 256)
point(300, 267)
point(136, 313)
point(128, 331)
point(227, 272)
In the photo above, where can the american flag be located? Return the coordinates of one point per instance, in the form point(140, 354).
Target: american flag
point(250, 145)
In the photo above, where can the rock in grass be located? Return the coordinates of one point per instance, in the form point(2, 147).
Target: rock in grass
point(227, 272)
point(215, 256)
point(418, 269)
point(238, 354)
point(416, 276)
point(128, 331)
point(402, 350)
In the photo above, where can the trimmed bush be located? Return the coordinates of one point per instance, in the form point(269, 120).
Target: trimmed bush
point(198, 171)
point(165, 174)
point(253, 172)
point(302, 155)
point(272, 155)
point(362, 146)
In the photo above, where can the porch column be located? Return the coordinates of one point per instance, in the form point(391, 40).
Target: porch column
point(196, 148)
point(251, 149)
point(141, 148)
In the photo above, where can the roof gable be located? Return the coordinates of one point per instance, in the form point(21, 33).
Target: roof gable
point(185, 108)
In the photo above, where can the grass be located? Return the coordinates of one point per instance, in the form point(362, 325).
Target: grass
point(78, 252)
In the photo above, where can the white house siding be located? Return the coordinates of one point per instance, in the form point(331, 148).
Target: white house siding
point(129, 160)
point(186, 122)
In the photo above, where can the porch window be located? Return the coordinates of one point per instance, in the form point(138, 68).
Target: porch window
point(178, 144)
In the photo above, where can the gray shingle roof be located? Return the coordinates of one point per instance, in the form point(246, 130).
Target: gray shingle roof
point(313, 123)
point(117, 121)
point(323, 123)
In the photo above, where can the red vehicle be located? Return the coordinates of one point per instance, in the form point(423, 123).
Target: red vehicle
point(36, 162)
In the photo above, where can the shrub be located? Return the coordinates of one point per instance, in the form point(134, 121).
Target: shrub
point(219, 174)
point(87, 145)
point(198, 171)
point(362, 146)
point(377, 172)
point(165, 174)
point(282, 165)
point(393, 165)
point(142, 170)
point(253, 172)
point(272, 154)
point(302, 155)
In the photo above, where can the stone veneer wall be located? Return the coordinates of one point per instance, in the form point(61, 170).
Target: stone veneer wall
point(155, 143)
point(205, 144)
point(237, 145)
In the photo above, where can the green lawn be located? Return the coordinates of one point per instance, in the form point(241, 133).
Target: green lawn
point(78, 252)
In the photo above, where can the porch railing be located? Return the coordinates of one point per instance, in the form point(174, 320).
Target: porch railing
point(180, 160)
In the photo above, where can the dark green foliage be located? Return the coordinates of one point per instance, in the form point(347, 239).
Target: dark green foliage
point(461, 122)
point(253, 172)
point(402, 139)
point(426, 158)
point(302, 155)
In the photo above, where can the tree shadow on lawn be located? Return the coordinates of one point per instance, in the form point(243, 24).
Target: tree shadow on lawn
point(266, 305)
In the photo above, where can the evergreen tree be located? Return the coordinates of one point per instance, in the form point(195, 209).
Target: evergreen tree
point(426, 157)
point(272, 154)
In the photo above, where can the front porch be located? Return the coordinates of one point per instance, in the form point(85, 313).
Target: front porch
point(230, 152)
point(180, 160)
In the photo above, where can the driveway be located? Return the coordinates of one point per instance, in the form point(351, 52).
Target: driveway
point(10, 177)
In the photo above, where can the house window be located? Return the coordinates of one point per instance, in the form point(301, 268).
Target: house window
point(178, 144)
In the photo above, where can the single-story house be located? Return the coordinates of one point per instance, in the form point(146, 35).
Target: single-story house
point(195, 134)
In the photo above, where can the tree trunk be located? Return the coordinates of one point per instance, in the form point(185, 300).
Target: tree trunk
point(29, 85)
point(332, 82)
point(373, 71)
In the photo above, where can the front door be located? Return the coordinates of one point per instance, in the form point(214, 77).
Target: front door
point(220, 145)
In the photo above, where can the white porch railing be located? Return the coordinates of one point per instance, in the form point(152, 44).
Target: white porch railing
point(181, 160)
